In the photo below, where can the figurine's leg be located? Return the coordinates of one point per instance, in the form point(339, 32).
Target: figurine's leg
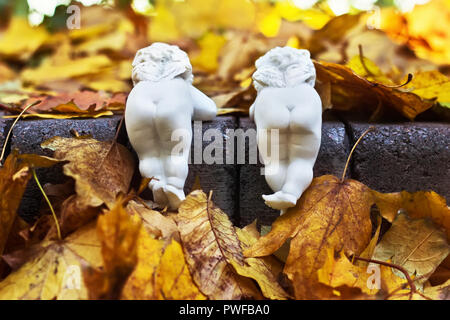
point(174, 153)
point(299, 177)
point(177, 169)
point(276, 174)
point(151, 166)
point(139, 117)
point(275, 165)
point(280, 199)
point(304, 145)
point(272, 116)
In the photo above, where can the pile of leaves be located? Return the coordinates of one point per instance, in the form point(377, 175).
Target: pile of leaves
point(96, 238)
point(100, 240)
point(86, 72)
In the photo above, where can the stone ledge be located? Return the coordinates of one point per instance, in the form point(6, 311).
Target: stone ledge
point(402, 156)
point(5, 125)
point(409, 156)
point(27, 136)
point(222, 179)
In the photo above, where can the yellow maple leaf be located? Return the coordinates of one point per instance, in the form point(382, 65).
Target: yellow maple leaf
point(269, 21)
point(431, 85)
point(339, 273)
point(314, 17)
point(55, 271)
point(118, 232)
point(417, 245)
point(141, 283)
point(160, 273)
point(156, 224)
point(47, 71)
point(421, 204)
point(21, 40)
point(173, 280)
point(210, 46)
point(264, 270)
point(421, 30)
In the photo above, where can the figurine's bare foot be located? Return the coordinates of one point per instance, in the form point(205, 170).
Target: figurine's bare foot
point(159, 196)
point(280, 200)
point(174, 195)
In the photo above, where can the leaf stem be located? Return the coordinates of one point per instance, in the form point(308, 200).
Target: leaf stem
point(395, 266)
point(58, 229)
point(10, 129)
point(363, 63)
point(351, 152)
point(410, 77)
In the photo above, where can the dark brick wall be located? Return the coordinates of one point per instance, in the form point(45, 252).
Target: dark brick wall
point(403, 156)
point(396, 156)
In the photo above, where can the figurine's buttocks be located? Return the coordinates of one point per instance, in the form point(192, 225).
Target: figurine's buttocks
point(163, 102)
point(298, 105)
point(152, 109)
point(288, 103)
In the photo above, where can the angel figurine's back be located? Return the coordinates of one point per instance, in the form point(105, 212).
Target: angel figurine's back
point(162, 102)
point(287, 102)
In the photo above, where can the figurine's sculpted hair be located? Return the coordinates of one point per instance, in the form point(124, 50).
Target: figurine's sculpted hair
point(161, 61)
point(270, 68)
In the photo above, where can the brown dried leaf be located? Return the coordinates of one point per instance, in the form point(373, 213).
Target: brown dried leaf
point(439, 292)
point(101, 170)
point(348, 90)
point(265, 271)
point(340, 274)
point(240, 97)
point(212, 249)
point(333, 32)
point(240, 52)
point(65, 115)
point(421, 204)
point(77, 102)
point(74, 215)
point(330, 214)
point(54, 270)
point(14, 176)
point(155, 223)
point(414, 244)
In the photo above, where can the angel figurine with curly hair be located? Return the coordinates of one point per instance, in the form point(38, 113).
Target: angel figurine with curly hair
point(287, 102)
point(162, 102)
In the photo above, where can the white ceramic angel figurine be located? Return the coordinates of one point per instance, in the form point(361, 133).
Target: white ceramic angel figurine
point(287, 101)
point(162, 101)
